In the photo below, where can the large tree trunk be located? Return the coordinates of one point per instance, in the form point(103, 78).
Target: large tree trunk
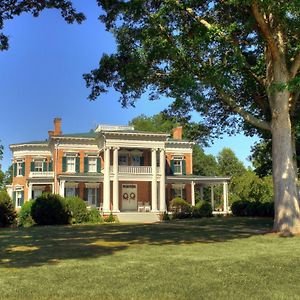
point(287, 213)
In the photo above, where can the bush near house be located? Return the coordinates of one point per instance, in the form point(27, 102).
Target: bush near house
point(50, 209)
point(202, 209)
point(93, 216)
point(180, 208)
point(244, 208)
point(24, 217)
point(7, 211)
point(78, 210)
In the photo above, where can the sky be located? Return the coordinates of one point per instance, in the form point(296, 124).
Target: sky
point(41, 78)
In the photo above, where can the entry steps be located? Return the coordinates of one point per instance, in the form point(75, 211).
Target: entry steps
point(137, 217)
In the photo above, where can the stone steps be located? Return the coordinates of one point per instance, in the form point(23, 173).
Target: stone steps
point(137, 217)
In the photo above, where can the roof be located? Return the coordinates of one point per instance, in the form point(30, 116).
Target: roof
point(45, 142)
point(91, 134)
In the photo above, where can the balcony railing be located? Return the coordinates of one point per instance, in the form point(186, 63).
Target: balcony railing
point(46, 174)
point(133, 170)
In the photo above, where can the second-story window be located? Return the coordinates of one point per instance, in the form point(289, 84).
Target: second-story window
point(123, 160)
point(136, 160)
point(38, 166)
point(70, 164)
point(19, 168)
point(178, 164)
point(93, 164)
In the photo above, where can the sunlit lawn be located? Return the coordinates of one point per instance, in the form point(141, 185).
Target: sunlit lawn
point(217, 258)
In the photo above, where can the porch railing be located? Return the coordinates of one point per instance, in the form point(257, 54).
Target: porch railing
point(133, 170)
point(45, 174)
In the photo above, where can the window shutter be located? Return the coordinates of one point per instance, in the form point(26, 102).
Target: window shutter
point(86, 164)
point(99, 164)
point(97, 198)
point(184, 194)
point(142, 160)
point(85, 194)
point(32, 166)
point(64, 164)
point(172, 167)
point(172, 194)
point(22, 198)
point(77, 169)
point(23, 168)
point(14, 198)
point(65, 192)
point(77, 194)
point(183, 167)
point(50, 166)
point(44, 165)
point(15, 169)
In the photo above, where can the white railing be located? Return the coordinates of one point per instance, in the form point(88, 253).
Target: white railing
point(133, 170)
point(41, 174)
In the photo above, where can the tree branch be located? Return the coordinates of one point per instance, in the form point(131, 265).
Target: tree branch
point(295, 66)
point(265, 30)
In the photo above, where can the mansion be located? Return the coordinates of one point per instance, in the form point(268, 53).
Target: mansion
point(113, 168)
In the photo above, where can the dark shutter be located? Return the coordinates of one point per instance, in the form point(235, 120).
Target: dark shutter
point(183, 167)
point(85, 194)
point(184, 194)
point(77, 193)
point(14, 198)
point(22, 198)
point(142, 161)
point(64, 164)
point(50, 166)
point(44, 165)
point(171, 167)
point(97, 198)
point(99, 164)
point(86, 164)
point(172, 194)
point(32, 166)
point(77, 164)
point(23, 168)
point(14, 169)
point(65, 192)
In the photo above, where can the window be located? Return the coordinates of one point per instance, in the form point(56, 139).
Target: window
point(92, 164)
point(177, 166)
point(136, 160)
point(19, 168)
point(92, 195)
point(19, 198)
point(123, 160)
point(38, 166)
point(37, 193)
point(70, 192)
point(70, 164)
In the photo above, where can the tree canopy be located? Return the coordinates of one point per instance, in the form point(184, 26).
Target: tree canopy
point(10, 9)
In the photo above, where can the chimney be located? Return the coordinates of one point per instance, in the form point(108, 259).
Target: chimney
point(177, 133)
point(57, 126)
point(50, 133)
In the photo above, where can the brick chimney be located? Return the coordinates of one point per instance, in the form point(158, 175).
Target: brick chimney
point(177, 133)
point(50, 133)
point(57, 126)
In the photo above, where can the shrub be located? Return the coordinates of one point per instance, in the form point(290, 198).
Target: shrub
point(93, 216)
point(7, 210)
point(110, 219)
point(202, 209)
point(78, 210)
point(252, 209)
point(25, 219)
point(180, 208)
point(50, 209)
point(165, 216)
point(238, 208)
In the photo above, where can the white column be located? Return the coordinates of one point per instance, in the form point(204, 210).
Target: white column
point(154, 181)
point(29, 191)
point(106, 181)
point(225, 197)
point(62, 188)
point(53, 188)
point(212, 197)
point(193, 193)
point(116, 181)
point(162, 185)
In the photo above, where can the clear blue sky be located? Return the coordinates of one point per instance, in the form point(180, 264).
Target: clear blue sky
point(41, 78)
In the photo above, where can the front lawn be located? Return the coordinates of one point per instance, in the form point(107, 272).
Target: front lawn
point(213, 258)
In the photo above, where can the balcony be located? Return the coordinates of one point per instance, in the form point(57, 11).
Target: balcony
point(46, 174)
point(143, 170)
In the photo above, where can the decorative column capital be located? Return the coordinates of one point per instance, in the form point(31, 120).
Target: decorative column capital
point(154, 149)
point(116, 148)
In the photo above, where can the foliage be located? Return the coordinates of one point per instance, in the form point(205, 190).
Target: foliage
point(78, 210)
point(229, 164)
point(50, 209)
point(202, 209)
point(1, 146)
point(24, 217)
point(244, 208)
point(93, 216)
point(203, 164)
point(10, 9)
point(180, 208)
point(110, 218)
point(249, 186)
point(165, 216)
point(8, 175)
point(7, 211)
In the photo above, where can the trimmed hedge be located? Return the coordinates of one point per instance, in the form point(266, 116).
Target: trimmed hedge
point(7, 211)
point(93, 216)
point(50, 209)
point(24, 217)
point(78, 210)
point(180, 208)
point(202, 209)
point(244, 208)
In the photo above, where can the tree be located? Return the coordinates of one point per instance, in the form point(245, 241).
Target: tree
point(203, 164)
point(238, 72)
point(9, 9)
point(229, 164)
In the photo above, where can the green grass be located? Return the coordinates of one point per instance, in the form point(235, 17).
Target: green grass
point(217, 258)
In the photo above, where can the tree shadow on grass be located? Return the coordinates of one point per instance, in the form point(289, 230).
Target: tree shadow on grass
point(27, 247)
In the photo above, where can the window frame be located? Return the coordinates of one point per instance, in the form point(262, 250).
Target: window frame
point(19, 167)
point(73, 170)
point(90, 159)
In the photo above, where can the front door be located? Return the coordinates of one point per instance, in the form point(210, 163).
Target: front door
point(129, 197)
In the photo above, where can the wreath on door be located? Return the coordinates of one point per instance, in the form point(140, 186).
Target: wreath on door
point(132, 195)
point(125, 196)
